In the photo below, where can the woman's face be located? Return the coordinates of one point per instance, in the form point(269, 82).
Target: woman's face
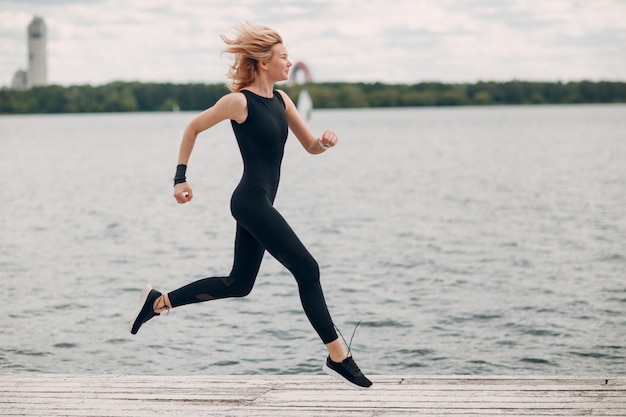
point(279, 64)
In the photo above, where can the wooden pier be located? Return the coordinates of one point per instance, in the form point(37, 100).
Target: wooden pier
point(308, 396)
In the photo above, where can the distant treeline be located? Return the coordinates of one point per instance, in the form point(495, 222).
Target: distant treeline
point(135, 96)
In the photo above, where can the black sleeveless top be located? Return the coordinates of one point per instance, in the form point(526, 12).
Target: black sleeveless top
point(261, 139)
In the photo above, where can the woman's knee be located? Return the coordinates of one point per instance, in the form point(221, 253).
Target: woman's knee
point(307, 272)
point(238, 287)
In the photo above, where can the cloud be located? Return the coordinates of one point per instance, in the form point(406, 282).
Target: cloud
point(367, 40)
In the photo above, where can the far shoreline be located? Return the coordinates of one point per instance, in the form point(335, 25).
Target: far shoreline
point(122, 96)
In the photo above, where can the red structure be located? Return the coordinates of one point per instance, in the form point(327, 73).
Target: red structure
point(300, 66)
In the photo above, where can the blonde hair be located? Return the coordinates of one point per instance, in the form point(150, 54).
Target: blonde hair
point(251, 44)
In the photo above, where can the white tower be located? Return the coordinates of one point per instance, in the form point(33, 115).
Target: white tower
point(37, 61)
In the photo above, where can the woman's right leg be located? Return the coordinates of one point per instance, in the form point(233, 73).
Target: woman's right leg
point(247, 260)
point(246, 264)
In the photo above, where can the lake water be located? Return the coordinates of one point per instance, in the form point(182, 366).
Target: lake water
point(476, 240)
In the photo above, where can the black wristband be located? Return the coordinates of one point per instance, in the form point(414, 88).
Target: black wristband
point(180, 177)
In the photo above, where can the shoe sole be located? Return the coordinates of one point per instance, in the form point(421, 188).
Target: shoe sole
point(340, 377)
point(142, 301)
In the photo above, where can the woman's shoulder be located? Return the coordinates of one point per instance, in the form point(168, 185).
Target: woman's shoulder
point(234, 98)
point(286, 99)
point(283, 95)
point(235, 101)
point(232, 106)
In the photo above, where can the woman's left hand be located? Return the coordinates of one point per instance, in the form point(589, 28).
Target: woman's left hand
point(328, 139)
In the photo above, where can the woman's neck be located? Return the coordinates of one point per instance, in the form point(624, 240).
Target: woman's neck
point(262, 87)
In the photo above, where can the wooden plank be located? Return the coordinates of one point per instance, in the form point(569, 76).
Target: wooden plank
point(308, 395)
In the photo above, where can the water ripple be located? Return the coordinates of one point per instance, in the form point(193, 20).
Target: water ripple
point(474, 235)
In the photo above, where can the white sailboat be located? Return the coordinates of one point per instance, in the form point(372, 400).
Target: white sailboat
point(305, 104)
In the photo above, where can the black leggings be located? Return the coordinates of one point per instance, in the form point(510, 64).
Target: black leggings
point(261, 227)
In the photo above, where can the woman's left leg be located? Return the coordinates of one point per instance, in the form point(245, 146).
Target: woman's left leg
point(281, 242)
point(271, 230)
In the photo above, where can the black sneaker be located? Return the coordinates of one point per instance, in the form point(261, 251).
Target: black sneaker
point(144, 310)
point(347, 371)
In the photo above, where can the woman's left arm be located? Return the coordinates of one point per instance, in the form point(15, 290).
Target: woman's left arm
point(298, 126)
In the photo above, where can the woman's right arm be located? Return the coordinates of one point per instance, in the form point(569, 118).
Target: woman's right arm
point(232, 106)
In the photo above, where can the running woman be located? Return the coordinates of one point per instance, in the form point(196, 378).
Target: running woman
point(260, 117)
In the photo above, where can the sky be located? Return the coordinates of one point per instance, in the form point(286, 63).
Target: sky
point(389, 41)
